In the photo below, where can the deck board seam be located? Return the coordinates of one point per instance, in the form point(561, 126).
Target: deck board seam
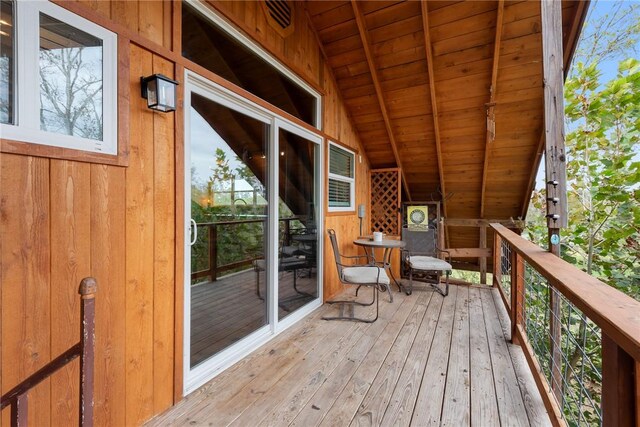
point(354, 344)
point(383, 359)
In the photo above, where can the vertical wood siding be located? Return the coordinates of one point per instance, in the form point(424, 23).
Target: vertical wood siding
point(62, 220)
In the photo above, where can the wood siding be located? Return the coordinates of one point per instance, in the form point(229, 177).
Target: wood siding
point(62, 220)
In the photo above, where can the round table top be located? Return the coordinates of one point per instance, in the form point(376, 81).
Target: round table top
point(385, 243)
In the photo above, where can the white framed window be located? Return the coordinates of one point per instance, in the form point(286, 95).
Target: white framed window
point(342, 182)
point(58, 83)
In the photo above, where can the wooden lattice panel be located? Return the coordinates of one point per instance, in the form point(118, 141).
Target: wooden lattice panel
point(385, 201)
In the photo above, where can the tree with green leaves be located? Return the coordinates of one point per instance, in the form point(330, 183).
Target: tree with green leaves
point(603, 153)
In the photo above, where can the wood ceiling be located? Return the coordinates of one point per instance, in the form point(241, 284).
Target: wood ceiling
point(420, 99)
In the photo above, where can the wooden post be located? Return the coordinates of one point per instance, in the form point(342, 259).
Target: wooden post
point(88, 289)
point(618, 388)
point(19, 411)
point(213, 252)
point(555, 161)
point(637, 376)
point(555, 156)
point(497, 259)
point(287, 232)
point(483, 260)
point(517, 293)
point(555, 326)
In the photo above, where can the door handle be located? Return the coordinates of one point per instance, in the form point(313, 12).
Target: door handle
point(193, 227)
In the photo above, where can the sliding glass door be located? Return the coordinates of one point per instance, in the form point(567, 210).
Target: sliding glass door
point(228, 213)
point(252, 217)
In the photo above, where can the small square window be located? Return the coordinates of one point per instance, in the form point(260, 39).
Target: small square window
point(58, 78)
point(341, 179)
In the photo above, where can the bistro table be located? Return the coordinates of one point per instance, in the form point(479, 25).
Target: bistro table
point(388, 245)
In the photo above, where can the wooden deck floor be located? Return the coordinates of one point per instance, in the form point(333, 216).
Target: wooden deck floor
point(428, 360)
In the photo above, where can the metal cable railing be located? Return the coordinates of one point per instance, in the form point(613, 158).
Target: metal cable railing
point(505, 270)
point(575, 373)
point(580, 336)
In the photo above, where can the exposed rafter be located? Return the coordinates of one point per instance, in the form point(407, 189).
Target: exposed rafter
point(366, 43)
point(491, 130)
point(434, 110)
point(532, 176)
point(434, 103)
point(581, 7)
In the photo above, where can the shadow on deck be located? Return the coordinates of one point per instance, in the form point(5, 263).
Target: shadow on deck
point(428, 360)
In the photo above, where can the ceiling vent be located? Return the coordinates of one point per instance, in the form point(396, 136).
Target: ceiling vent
point(279, 14)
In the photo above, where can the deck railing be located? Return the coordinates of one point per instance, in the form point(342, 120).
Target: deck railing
point(580, 336)
point(214, 268)
point(18, 397)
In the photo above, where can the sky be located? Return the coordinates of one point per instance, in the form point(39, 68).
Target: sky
point(204, 141)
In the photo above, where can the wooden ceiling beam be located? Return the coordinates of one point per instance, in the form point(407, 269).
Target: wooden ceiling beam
point(366, 43)
point(491, 121)
point(434, 113)
point(434, 104)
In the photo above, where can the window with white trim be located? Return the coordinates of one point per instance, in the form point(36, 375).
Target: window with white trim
point(342, 192)
point(58, 78)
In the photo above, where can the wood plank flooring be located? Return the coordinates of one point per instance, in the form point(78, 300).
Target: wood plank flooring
point(428, 360)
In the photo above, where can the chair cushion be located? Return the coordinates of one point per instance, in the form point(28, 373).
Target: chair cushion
point(364, 275)
point(421, 262)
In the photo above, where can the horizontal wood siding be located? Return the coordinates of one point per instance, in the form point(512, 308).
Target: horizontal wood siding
point(62, 220)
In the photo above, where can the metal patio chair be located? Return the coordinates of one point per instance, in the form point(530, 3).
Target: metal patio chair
point(421, 254)
point(357, 275)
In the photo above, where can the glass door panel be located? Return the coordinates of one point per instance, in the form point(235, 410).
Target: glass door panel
point(229, 158)
point(298, 216)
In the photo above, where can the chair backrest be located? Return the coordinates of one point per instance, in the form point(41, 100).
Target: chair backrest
point(336, 251)
point(420, 241)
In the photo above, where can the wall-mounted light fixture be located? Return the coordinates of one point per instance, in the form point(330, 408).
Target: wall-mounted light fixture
point(160, 92)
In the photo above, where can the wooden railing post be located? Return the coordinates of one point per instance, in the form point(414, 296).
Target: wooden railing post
point(19, 411)
point(517, 293)
point(88, 289)
point(637, 376)
point(497, 259)
point(287, 232)
point(618, 386)
point(483, 260)
point(213, 251)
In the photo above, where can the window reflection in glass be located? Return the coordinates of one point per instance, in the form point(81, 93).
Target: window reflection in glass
point(6, 61)
point(208, 45)
point(298, 246)
point(229, 161)
point(70, 80)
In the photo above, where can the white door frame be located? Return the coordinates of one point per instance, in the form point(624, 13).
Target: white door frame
point(196, 377)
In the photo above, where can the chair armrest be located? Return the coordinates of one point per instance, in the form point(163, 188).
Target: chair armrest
point(354, 257)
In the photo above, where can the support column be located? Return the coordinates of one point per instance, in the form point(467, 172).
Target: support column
point(555, 163)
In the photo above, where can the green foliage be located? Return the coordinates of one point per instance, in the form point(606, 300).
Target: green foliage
point(603, 237)
point(603, 189)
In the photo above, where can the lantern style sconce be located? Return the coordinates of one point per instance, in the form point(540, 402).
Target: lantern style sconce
point(160, 92)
